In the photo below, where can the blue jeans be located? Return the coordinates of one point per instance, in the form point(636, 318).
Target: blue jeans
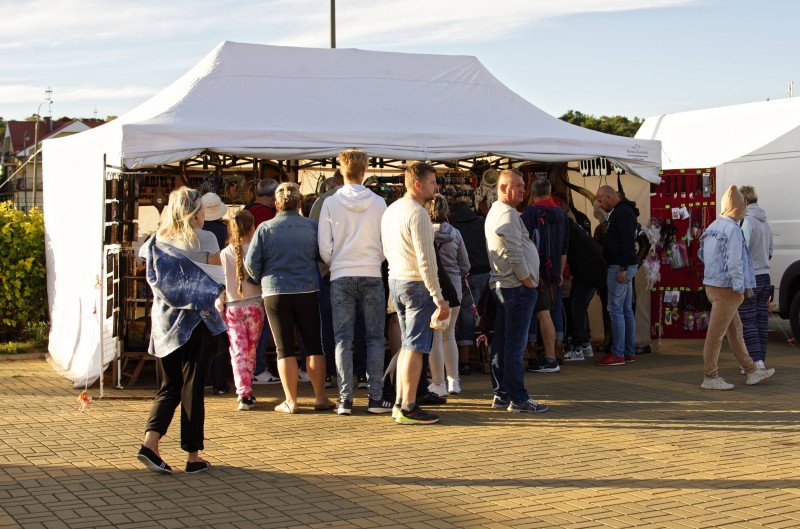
point(465, 324)
point(329, 342)
point(347, 295)
point(511, 322)
point(415, 307)
point(580, 297)
point(620, 309)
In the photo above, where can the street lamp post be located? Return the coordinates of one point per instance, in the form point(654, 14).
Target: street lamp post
point(49, 101)
point(333, 23)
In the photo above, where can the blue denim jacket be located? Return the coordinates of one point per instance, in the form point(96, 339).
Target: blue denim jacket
point(284, 255)
point(183, 296)
point(725, 255)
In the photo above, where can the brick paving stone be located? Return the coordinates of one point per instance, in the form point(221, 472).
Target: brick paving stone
point(639, 447)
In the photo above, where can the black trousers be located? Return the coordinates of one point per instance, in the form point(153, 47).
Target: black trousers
point(284, 312)
point(182, 384)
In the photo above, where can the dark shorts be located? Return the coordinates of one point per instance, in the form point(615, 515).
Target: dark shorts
point(544, 301)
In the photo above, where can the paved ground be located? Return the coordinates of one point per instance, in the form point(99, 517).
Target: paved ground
point(639, 445)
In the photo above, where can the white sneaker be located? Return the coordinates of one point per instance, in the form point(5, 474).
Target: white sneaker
point(573, 355)
point(438, 389)
point(453, 386)
point(760, 364)
point(266, 378)
point(758, 375)
point(716, 383)
point(303, 376)
point(587, 350)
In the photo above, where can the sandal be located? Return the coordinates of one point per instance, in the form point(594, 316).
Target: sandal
point(325, 406)
point(197, 466)
point(283, 407)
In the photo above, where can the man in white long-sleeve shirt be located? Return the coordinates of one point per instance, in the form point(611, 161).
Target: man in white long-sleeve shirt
point(513, 279)
point(407, 235)
point(350, 243)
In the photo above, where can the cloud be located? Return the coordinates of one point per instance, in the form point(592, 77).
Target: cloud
point(18, 93)
point(295, 22)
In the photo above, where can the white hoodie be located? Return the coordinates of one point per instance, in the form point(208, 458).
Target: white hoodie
point(350, 232)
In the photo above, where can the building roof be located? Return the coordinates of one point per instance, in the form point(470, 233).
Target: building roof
point(17, 130)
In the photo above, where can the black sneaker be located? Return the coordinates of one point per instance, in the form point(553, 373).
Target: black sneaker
point(433, 399)
point(379, 406)
point(152, 461)
point(344, 407)
point(643, 350)
point(545, 366)
point(362, 382)
point(529, 406)
point(416, 416)
point(245, 403)
point(463, 369)
point(500, 403)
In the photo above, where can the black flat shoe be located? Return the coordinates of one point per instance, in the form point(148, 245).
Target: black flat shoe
point(152, 461)
point(197, 466)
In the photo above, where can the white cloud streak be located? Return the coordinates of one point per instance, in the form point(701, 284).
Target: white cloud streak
point(18, 93)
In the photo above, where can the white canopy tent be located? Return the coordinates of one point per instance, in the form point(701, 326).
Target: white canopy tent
point(286, 104)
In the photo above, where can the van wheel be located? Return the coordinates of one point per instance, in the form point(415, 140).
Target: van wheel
point(794, 315)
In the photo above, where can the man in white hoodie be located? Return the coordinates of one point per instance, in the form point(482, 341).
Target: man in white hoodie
point(350, 243)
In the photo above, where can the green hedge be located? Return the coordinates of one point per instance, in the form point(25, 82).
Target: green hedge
point(23, 290)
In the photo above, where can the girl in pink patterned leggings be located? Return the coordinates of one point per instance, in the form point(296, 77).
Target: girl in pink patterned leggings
point(243, 313)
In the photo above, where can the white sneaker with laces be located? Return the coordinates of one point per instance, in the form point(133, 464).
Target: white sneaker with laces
point(438, 389)
point(266, 378)
point(716, 383)
point(758, 375)
point(573, 355)
point(587, 350)
point(453, 386)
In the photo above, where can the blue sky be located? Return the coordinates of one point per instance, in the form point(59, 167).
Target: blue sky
point(629, 57)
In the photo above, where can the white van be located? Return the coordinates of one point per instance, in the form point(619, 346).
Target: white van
point(755, 144)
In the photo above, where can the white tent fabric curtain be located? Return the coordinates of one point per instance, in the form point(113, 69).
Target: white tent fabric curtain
point(289, 103)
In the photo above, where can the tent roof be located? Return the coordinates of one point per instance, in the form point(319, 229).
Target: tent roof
point(304, 103)
point(713, 136)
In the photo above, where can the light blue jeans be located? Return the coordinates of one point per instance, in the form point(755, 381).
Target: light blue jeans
point(348, 294)
point(620, 309)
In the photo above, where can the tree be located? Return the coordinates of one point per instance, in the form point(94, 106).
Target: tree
point(617, 125)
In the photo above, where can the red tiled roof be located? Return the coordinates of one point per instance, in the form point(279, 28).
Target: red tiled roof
point(47, 127)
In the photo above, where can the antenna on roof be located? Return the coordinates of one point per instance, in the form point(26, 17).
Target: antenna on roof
point(49, 100)
point(791, 91)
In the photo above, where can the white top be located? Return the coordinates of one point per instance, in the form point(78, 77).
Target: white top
point(407, 236)
point(205, 246)
point(350, 232)
point(512, 254)
point(249, 290)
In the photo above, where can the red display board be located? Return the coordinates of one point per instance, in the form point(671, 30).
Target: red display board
point(681, 208)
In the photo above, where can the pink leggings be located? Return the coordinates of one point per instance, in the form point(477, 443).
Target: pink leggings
point(244, 328)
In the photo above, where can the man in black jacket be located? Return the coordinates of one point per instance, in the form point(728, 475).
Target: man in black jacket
point(620, 252)
point(470, 225)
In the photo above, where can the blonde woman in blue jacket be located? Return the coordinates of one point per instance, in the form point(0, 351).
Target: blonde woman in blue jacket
point(728, 279)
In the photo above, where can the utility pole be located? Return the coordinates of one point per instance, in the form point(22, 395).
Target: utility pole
point(333, 23)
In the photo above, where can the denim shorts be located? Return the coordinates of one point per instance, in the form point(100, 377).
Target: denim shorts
point(415, 307)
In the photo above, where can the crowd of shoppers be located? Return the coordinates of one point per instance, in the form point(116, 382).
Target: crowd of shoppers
point(411, 275)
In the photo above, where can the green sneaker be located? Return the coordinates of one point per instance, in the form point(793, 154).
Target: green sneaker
point(416, 416)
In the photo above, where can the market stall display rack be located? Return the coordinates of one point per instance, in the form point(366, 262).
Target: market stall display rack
point(681, 208)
